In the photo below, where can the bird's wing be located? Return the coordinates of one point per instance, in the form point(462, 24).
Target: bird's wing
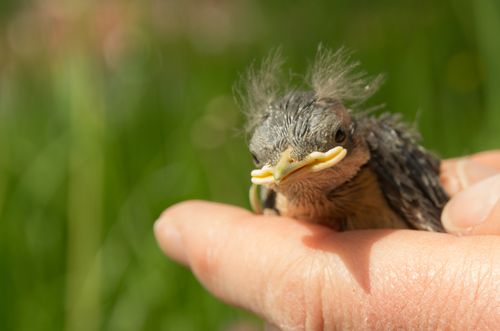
point(408, 174)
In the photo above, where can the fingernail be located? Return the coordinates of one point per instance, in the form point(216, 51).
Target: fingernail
point(472, 206)
point(463, 174)
point(470, 172)
point(170, 239)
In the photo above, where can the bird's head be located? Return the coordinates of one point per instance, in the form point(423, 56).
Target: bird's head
point(306, 137)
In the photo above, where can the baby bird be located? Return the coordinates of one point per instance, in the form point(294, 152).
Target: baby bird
point(320, 160)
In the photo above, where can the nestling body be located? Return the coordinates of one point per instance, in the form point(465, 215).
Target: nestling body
point(322, 162)
point(357, 204)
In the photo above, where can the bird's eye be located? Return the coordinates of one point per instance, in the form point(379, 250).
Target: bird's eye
point(340, 135)
point(255, 159)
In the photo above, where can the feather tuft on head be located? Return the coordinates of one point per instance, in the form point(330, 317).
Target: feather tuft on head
point(259, 88)
point(333, 76)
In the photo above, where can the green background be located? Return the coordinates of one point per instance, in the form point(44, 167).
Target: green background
point(110, 111)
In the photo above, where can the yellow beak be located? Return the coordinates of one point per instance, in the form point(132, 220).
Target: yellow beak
point(286, 165)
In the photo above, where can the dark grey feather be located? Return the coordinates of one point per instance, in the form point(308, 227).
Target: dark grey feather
point(408, 174)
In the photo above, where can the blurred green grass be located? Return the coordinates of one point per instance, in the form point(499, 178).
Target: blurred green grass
point(111, 111)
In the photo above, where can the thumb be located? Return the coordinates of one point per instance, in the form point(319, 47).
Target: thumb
point(475, 210)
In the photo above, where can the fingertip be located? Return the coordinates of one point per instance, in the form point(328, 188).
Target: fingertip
point(457, 175)
point(168, 228)
point(169, 238)
point(178, 224)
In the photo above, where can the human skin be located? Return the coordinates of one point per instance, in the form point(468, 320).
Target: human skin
point(300, 276)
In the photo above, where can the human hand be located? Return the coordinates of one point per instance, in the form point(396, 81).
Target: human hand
point(474, 185)
point(301, 276)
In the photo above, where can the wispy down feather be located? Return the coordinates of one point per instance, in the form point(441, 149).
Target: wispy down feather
point(334, 76)
point(260, 87)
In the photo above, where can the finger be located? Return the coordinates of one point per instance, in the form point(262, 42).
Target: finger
point(490, 159)
point(458, 174)
point(476, 210)
point(170, 238)
point(241, 258)
point(302, 276)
